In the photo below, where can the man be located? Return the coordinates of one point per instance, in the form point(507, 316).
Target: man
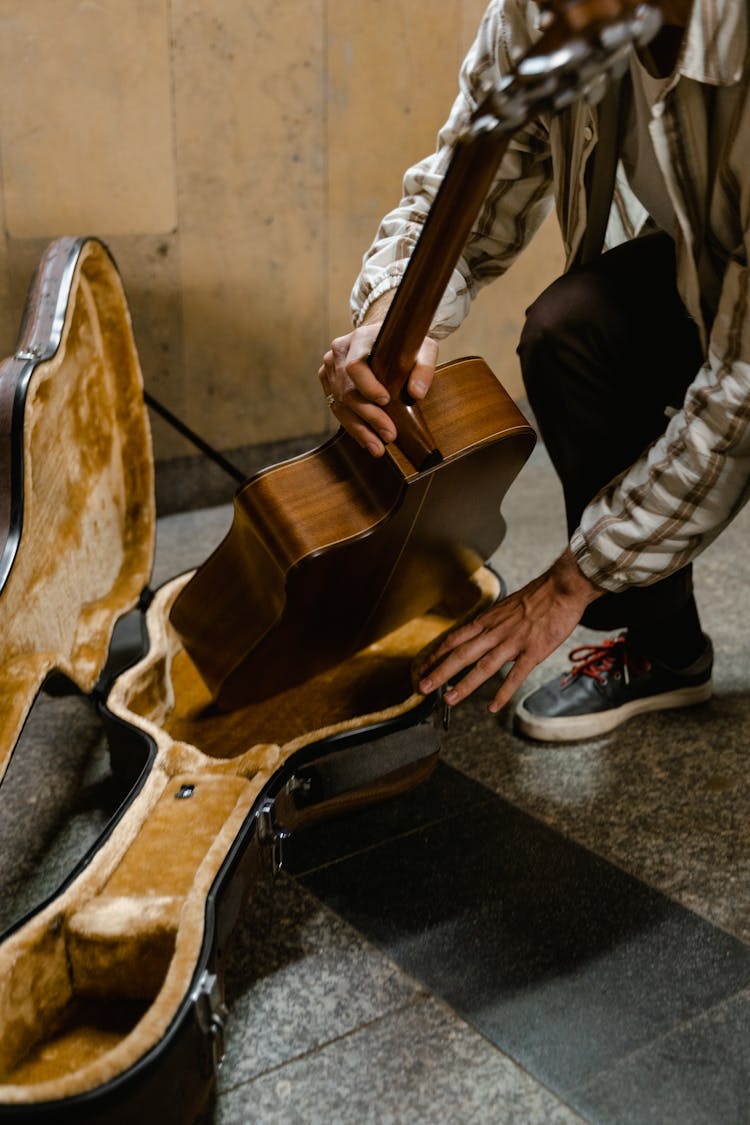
point(636, 363)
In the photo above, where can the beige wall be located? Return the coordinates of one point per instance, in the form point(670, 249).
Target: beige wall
point(236, 156)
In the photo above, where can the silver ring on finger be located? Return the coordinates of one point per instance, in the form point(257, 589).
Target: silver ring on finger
point(330, 400)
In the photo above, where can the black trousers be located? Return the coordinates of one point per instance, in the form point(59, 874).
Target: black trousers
point(605, 350)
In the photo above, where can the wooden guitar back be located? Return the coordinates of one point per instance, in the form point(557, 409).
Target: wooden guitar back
point(332, 550)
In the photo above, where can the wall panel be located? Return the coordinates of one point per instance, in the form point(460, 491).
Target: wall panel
point(251, 189)
point(85, 117)
point(237, 157)
point(390, 82)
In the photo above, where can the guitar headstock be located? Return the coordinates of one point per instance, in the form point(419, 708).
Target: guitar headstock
point(583, 45)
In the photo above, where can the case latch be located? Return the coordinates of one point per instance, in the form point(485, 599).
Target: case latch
point(444, 711)
point(271, 835)
point(212, 1015)
point(32, 351)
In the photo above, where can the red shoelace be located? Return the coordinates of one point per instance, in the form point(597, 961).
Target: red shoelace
point(598, 661)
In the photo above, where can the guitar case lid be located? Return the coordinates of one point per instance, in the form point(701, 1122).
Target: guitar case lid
point(77, 516)
point(111, 991)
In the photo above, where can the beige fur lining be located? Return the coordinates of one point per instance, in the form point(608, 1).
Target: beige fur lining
point(129, 930)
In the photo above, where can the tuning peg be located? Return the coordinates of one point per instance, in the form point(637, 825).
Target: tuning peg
point(616, 35)
point(566, 56)
point(646, 22)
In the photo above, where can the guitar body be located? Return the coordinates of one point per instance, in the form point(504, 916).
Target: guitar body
point(334, 549)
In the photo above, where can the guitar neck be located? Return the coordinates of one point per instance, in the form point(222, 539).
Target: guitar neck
point(434, 258)
point(445, 232)
point(584, 44)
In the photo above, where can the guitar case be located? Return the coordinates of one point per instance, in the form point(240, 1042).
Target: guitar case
point(111, 991)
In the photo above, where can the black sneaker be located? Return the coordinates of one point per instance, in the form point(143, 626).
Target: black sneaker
point(610, 683)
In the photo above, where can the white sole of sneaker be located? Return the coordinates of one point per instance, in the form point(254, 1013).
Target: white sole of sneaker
point(574, 728)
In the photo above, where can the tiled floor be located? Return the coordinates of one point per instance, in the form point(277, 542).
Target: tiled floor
point(536, 935)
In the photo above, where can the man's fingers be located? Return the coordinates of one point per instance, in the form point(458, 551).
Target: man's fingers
point(358, 371)
point(524, 629)
point(354, 393)
point(493, 625)
point(368, 412)
point(423, 371)
point(518, 673)
point(363, 419)
point(362, 433)
point(448, 645)
point(356, 350)
point(484, 669)
point(470, 652)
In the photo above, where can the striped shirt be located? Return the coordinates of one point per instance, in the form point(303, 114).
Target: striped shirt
point(667, 507)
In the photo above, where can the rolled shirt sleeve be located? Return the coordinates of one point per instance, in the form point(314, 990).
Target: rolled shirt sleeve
point(673, 502)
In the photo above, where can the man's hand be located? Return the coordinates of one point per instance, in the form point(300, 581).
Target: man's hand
point(356, 396)
point(523, 628)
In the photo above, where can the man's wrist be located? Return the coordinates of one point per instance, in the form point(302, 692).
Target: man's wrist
point(379, 307)
point(571, 580)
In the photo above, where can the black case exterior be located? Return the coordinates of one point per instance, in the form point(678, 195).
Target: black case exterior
point(175, 1081)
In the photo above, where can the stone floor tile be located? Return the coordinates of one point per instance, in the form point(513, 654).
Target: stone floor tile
point(561, 959)
point(298, 977)
point(697, 1075)
point(55, 800)
point(666, 797)
point(419, 1065)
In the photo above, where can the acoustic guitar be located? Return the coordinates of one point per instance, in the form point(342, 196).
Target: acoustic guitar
point(330, 551)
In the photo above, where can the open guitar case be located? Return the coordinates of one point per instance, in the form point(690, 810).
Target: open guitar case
point(111, 991)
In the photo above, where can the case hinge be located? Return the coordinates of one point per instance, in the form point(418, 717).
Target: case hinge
point(212, 1014)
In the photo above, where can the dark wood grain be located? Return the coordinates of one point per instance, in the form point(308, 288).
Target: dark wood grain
point(332, 550)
